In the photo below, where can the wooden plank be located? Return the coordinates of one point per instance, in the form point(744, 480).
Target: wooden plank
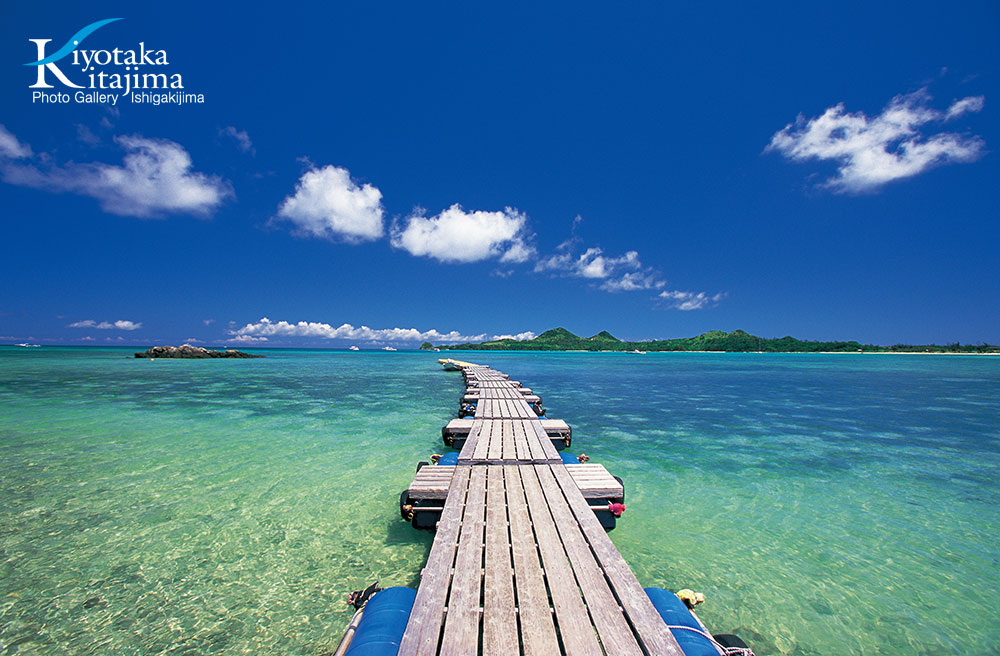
point(652, 631)
point(461, 628)
point(509, 451)
point(483, 442)
point(535, 447)
point(614, 631)
point(499, 614)
point(472, 441)
point(521, 449)
point(544, 442)
point(538, 635)
point(574, 622)
point(496, 441)
point(424, 626)
point(524, 410)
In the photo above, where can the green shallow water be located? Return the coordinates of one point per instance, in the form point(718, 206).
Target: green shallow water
point(834, 504)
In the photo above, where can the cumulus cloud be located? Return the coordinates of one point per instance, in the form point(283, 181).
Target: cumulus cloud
point(248, 339)
point(121, 324)
point(527, 334)
point(622, 273)
point(10, 147)
point(155, 178)
point(871, 152)
point(241, 138)
point(456, 235)
point(267, 328)
point(689, 300)
point(329, 205)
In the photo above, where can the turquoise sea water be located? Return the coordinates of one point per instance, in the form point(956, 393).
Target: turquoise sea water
point(826, 504)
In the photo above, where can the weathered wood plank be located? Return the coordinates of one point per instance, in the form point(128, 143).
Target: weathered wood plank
point(538, 454)
point(538, 635)
point(652, 631)
point(496, 441)
point(615, 634)
point(574, 622)
point(471, 442)
point(424, 626)
point(509, 447)
point(544, 441)
point(521, 449)
point(483, 441)
point(500, 636)
point(461, 628)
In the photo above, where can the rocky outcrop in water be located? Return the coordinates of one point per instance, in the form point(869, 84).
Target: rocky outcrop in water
point(192, 353)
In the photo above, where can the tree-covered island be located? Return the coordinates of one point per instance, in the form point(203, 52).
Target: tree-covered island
point(560, 339)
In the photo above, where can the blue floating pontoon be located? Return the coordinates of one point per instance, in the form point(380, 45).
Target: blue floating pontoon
point(383, 623)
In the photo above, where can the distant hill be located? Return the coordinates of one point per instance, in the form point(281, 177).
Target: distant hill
point(560, 339)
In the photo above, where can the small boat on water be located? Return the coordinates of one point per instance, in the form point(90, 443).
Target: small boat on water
point(354, 348)
point(388, 348)
point(454, 365)
point(638, 352)
point(29, 345)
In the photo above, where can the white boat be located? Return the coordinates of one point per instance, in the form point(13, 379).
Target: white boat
point(388, 348)
point(638, 351)
point(28, 345)
point(354, 348)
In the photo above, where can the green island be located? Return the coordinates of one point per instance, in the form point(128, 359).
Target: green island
point(738, 341)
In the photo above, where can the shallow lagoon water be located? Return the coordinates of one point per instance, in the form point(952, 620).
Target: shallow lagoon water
point(826, 504)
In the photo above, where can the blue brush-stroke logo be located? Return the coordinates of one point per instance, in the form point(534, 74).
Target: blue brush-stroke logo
point(73, 42)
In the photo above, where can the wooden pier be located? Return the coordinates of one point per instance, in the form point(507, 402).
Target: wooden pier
point(520, 563)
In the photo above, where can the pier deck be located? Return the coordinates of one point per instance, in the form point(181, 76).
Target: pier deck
point(593, 481)
point(508, 442)
point(526, 533)
point(520, 563)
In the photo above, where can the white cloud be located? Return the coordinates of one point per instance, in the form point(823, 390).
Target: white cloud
point(689, 300)
point(155, 179)
point(248, 339)
point(622, 273)
point(267, 328)
point(969, 104)
point(328, 204)
point(241, 138)
point(527, 334)
point(121, 324)
point(207, 322)
point(10, 147)
point(871, 152)
point(633, 281)
point(455, 235)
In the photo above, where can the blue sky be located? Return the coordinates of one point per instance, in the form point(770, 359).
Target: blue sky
point(373, 176)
